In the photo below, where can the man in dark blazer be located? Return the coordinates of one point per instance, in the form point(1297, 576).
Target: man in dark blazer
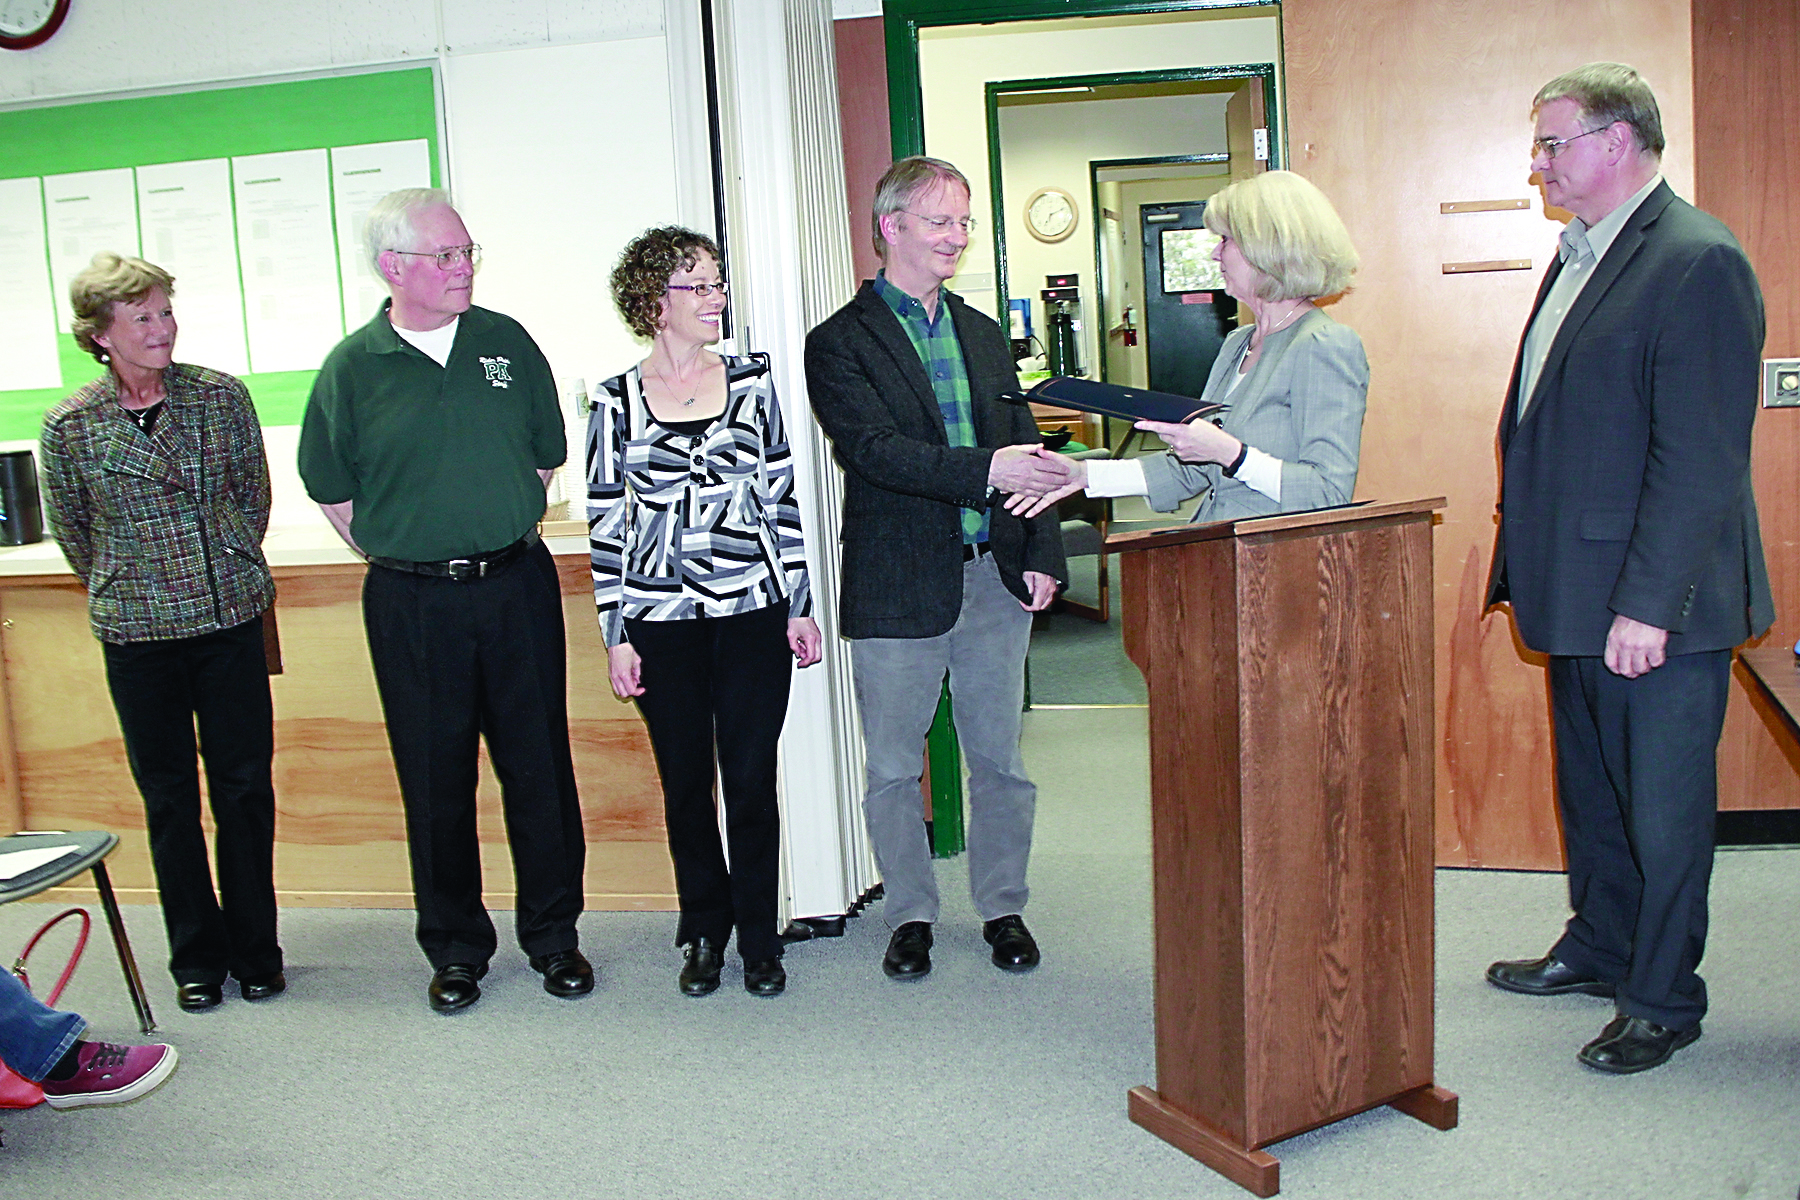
point(1628, 548)
point(937, 577)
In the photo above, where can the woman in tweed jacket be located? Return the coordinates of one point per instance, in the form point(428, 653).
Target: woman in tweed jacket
point(159, 497)
point(700, 578)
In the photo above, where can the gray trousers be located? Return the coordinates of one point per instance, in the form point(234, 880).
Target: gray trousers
point(898, 681)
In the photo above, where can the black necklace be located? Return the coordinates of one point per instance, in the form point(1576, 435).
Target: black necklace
point(143, 418)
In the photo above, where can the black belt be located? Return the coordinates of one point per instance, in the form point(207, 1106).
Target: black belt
point(463, 570)
point(974, 550)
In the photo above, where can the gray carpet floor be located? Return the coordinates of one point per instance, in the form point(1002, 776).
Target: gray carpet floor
point(1078, 661)
point(972, 1083)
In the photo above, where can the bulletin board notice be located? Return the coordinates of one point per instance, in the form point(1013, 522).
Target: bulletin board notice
point(251, 197)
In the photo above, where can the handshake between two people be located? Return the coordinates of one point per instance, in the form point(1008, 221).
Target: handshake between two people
point(1034, 477)
point(1037, 477)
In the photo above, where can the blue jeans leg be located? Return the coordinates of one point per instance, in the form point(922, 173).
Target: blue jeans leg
point(33, 1036)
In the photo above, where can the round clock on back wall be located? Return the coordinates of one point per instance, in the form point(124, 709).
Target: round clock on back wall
point(1050, 214)
point(28, 23)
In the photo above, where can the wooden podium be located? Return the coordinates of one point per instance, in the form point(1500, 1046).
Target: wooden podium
point(1289, 663)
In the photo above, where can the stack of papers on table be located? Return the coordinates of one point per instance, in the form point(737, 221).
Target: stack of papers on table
point(14, 863)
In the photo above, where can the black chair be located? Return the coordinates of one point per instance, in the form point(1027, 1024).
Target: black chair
point(87, 851)
point(1084, 525)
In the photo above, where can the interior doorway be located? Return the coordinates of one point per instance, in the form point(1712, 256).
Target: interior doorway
point(1186, 311)
point(1096, 148)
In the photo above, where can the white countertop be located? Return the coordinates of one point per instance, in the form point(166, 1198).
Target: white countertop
point(310, 545)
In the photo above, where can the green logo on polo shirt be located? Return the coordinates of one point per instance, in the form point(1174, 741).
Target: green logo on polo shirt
point(497, 372)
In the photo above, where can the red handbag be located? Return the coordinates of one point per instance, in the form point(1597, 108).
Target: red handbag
point(15, 1090)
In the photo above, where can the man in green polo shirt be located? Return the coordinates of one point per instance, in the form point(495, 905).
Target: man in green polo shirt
point(427, 441)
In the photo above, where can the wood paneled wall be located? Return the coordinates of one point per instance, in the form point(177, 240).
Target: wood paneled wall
point(863, 110)
point(1746, 106)
point(1393, 108)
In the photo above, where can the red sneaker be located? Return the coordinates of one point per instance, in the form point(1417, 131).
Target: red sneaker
point(111, 1074)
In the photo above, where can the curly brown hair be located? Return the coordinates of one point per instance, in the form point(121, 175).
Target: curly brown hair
point(640, 280)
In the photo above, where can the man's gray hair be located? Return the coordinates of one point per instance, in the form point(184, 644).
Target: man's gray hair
point(389, 225)
point(1607, 92)
point(903, 183)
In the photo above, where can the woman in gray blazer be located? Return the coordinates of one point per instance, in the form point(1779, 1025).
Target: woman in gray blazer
point(1296, 381)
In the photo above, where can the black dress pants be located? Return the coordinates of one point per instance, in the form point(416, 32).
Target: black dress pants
point(455, 662)
point(162, 690)
point(1637, 783)
point(716, 690)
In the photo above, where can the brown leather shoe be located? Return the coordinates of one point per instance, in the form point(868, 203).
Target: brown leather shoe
point(1631, 1044)
point(1546, 976)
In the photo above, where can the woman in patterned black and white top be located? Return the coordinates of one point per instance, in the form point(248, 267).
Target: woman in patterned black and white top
point(700, 578)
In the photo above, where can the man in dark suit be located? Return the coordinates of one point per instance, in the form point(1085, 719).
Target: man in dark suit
point(1629, 550)
point(937, 576)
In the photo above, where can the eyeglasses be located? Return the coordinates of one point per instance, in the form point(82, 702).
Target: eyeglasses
point(701, 290)
point(1551, 147)
point(449, 259)
point(942, 223)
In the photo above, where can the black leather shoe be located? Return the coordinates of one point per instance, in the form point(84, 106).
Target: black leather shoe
point(909, 952)
point(1545, 976)
point(700, 972)
point(1014, 947)
point(198, 997)
point(1631, 1044)
point(261, 987)
point(454, 987)
point(567, 973)
point(765, 978)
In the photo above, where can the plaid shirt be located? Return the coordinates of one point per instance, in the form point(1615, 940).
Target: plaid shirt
point(935, 340)
point(164, 529)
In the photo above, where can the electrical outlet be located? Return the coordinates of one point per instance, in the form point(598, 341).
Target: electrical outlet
point(1781, 383)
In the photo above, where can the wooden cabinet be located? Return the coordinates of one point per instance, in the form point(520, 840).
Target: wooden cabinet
point(340, 834)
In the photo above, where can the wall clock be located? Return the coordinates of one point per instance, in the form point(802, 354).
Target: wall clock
point(28, 23)
point(1050, 214)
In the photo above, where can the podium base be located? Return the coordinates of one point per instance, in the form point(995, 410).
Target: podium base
point(1253, 1170)
point(1430, 1104)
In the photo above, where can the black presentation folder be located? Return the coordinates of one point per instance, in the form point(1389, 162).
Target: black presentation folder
point(1109, 399)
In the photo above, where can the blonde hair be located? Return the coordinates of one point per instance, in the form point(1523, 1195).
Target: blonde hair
point(110, 279)
point(1285, 228)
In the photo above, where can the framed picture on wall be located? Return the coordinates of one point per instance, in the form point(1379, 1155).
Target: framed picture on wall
point(1187, 261)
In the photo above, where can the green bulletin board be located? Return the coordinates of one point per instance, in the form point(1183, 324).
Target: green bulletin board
point(344, 110)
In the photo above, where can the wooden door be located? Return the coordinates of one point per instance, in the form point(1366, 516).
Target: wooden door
point(1246, 117)
point(1394, 109)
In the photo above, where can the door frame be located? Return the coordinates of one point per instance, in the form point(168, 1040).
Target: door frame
point(902, 20)
point(1097, 165)
point(994, 89)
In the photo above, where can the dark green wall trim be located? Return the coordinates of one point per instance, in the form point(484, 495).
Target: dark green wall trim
point(903, 19)
point(1102, 164)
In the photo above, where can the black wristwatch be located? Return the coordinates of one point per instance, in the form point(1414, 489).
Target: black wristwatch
point(1238, 462)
